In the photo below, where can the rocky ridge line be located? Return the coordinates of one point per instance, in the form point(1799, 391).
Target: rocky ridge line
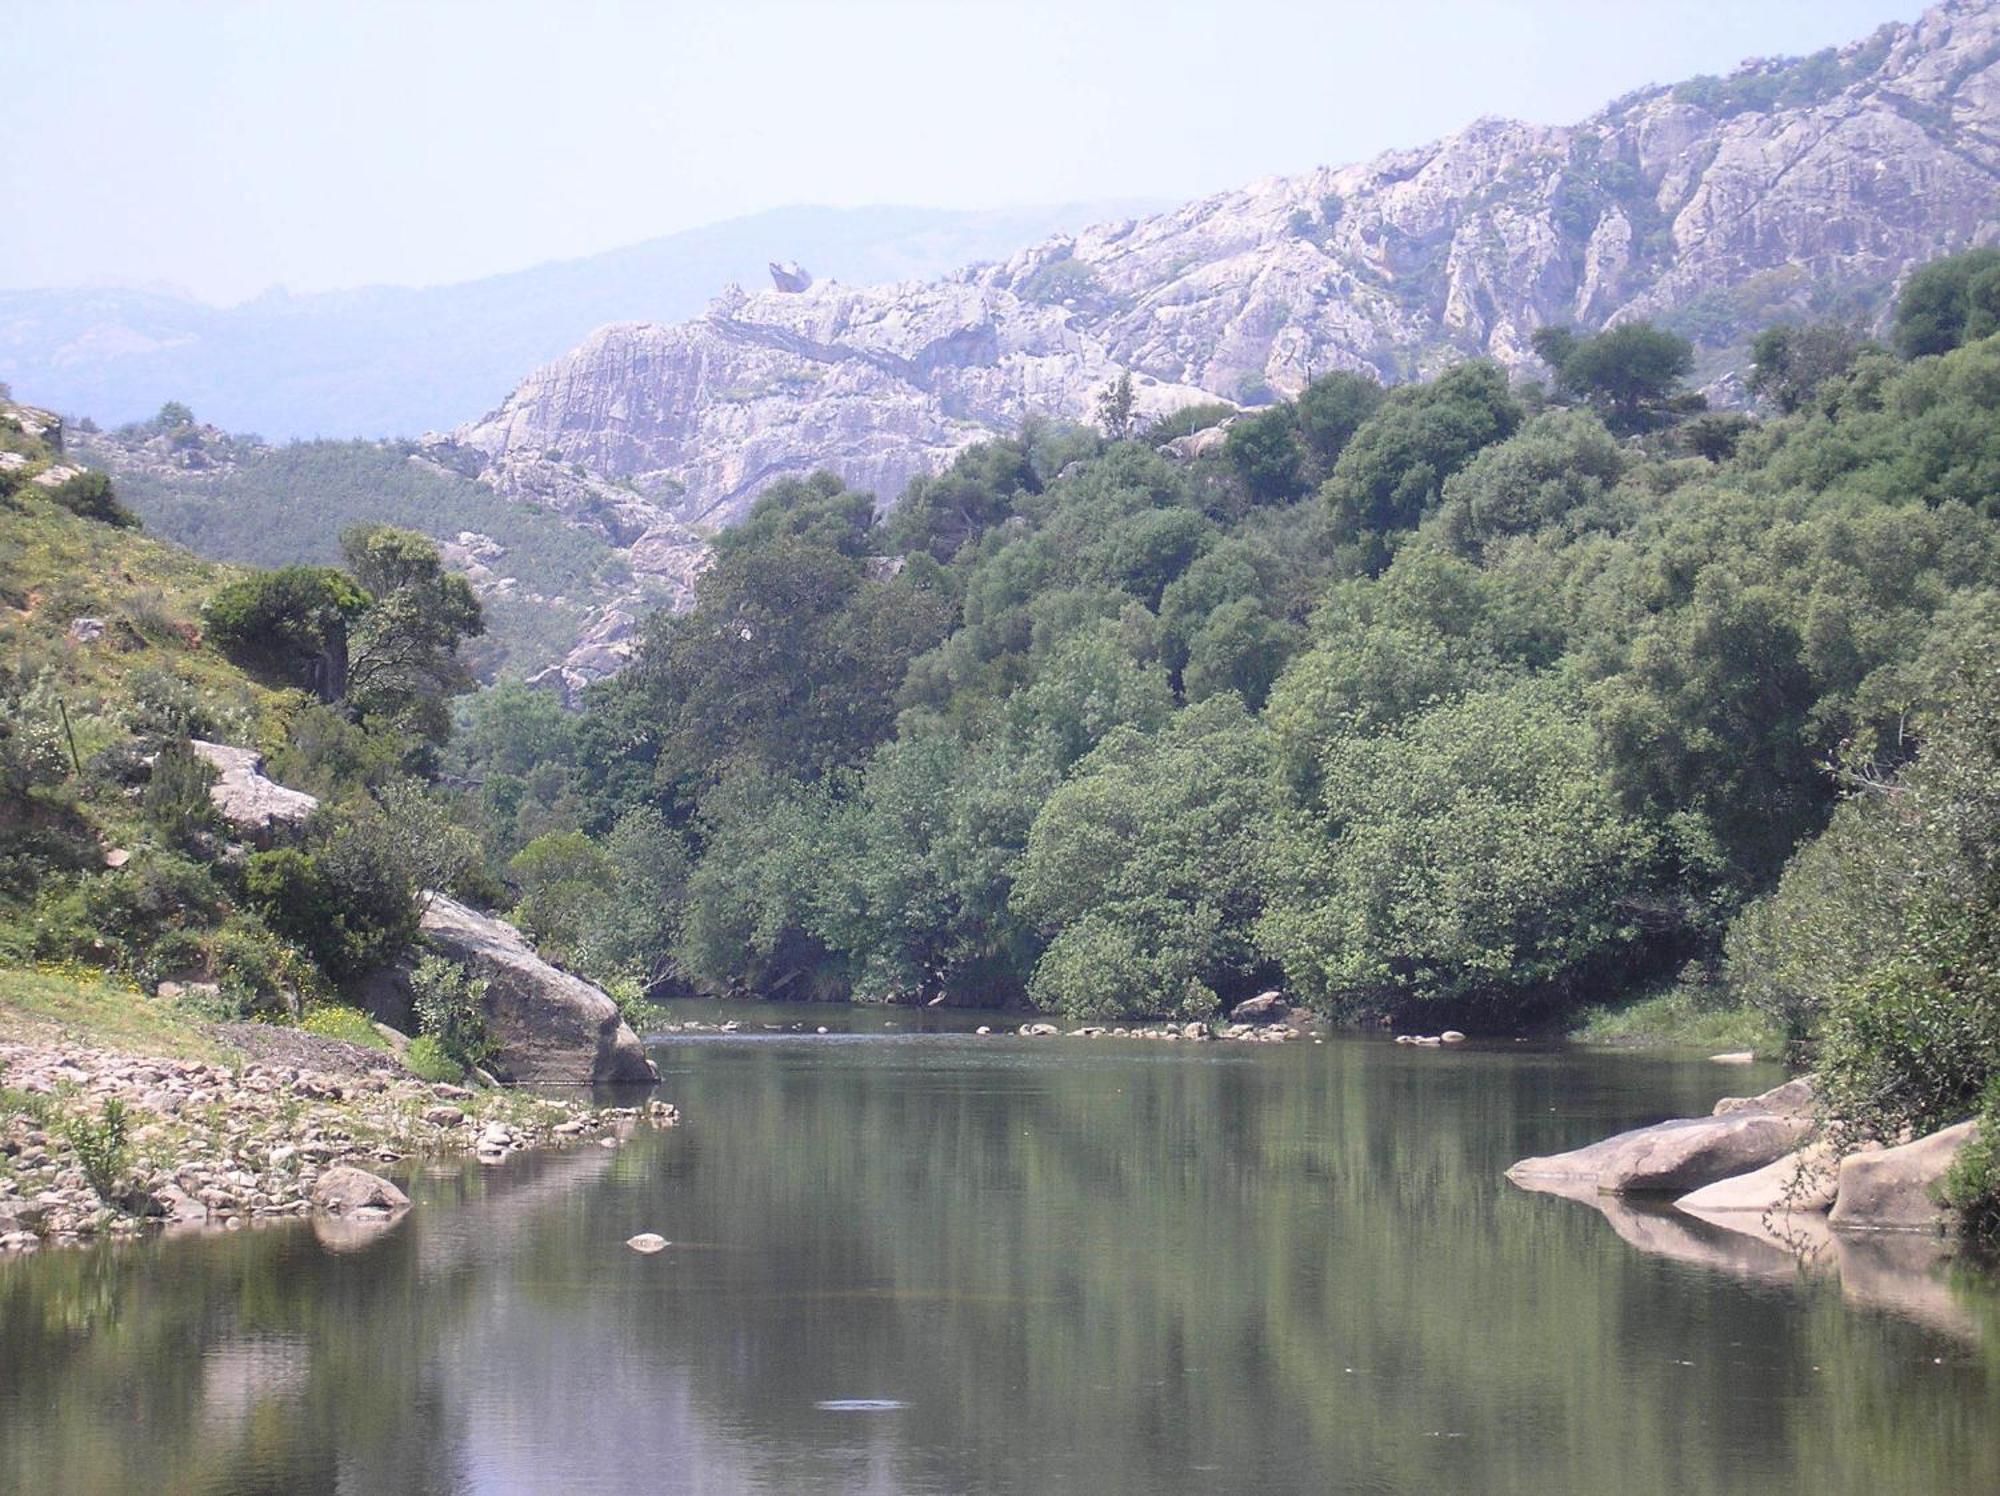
point(1674, 203)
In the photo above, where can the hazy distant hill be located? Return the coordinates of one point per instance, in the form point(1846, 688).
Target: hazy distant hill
point(386, 360)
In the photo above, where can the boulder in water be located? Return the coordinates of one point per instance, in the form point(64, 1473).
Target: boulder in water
point(1896, 1188)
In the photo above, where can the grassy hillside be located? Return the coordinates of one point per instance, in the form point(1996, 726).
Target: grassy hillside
point(235, 498)
point(117, 873)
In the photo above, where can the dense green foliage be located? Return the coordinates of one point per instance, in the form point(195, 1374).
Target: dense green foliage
point(1949, 303)
point(1434, 700)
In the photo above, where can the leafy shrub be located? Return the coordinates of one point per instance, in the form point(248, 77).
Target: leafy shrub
point(177, 796)
point(1972, 1188)
point(446, 1000)
point(158, 704)
point(118, 918)
point(426, 1059)
point(103, 1147)
point(90, 496)
point(351, 904)
point(256, 969)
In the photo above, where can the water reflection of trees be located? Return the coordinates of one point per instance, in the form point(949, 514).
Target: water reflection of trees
point(1081, 1269)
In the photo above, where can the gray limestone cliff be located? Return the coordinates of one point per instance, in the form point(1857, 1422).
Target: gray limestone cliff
point(1804, 187)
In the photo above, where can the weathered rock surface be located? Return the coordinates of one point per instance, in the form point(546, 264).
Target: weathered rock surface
point(549, 1026)
point(346, 1190)
point(256, 806)
point(1895, 1189)
point(1670, 1157)
point(1798, 1183)
point(1793, 1099)
point(1667, 203)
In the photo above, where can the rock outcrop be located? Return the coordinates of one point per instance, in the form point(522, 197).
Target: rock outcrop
point(548, 1025)
point(1895, 1189)
point(1714, 206)
point(257, 807)
point(1799, 1183)
point(1669, 1157)
point(1265, 1007)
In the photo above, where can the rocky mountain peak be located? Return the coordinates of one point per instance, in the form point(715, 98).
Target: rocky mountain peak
point(1790, 187)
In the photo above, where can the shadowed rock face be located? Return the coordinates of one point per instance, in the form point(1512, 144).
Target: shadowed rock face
point(550, 1027)
point(1669, 203)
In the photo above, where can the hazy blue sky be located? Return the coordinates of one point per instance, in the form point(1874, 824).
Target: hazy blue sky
point(229, 147)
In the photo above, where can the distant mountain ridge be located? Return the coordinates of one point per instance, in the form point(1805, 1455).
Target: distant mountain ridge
point(388, 361)
point(1795, 187)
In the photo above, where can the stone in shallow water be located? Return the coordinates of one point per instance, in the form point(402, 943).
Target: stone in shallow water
point(345, 1190)
point(1672, 1156)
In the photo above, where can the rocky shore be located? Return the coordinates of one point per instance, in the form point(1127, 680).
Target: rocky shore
point(96, 1144)
point(1762, 1164)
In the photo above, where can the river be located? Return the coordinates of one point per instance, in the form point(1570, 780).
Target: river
point(938, 1263)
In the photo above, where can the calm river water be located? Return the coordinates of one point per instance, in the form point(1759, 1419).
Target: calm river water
point(937, 1263)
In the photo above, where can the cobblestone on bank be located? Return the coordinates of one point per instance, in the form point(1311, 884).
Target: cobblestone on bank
point(212, 1144)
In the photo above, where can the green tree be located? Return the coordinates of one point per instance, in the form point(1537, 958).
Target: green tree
point(1142, 869)
point(291, 625)
point(1115, 406)
point(1265, 451)
point(1558, 465)
point(403, 663)
point(1631, 373)
point(1475, 858)
point(1393, 471)
point(1949, 303)
point(1790, 364)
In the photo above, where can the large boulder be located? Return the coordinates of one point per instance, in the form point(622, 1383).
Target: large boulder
point(345, 1191)
point(1265, 1007)
point(257, 807)
point(1670, 1157)
point(546, 1025)
point(1896, 1189)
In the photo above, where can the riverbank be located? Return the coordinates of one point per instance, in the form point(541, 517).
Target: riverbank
point(118, 1114)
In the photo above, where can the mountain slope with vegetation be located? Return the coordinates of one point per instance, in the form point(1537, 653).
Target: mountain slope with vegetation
point(1800, 188)
point(123, 659)
point(558, 588)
